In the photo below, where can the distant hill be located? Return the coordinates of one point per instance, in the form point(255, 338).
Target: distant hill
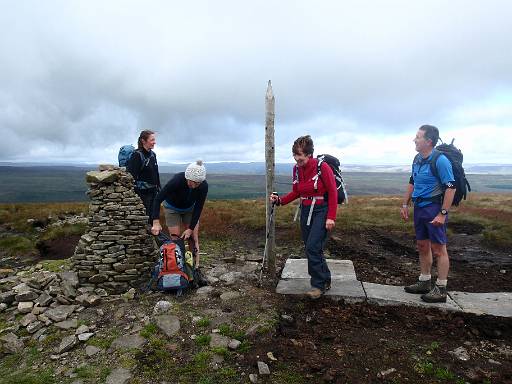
point(67, 183)
point(258, 168)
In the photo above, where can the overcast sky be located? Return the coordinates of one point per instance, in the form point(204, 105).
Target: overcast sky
point(78, 79)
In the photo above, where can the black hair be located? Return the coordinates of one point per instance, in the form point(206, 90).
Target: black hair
point(430, 133)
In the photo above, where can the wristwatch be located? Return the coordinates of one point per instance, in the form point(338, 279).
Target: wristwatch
point(444, 212)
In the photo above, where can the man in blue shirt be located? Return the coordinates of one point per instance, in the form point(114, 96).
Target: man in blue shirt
point(432, 197)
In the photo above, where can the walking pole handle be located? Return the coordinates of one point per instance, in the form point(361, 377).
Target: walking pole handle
point(275, 202)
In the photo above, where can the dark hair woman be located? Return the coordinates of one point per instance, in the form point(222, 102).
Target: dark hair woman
point(317, 215)
point(144, 169)
point(183, 199)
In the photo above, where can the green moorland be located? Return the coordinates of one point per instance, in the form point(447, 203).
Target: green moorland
point(47, 184)
point(225, 219)
point(222, 221)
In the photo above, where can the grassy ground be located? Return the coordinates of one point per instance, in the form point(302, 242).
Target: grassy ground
point(16, 215)
point(242, 222)
point(224, 220)
point(494, 213)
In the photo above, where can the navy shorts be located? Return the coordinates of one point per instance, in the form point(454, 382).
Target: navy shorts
point(426, 231)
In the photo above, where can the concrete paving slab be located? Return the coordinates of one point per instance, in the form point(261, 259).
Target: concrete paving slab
point(298, 269)
point(349, 290)
point(395, 295)
point(493, 303)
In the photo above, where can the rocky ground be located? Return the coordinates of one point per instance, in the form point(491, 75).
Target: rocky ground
point(233, 330)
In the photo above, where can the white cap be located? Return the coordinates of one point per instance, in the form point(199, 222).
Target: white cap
point(196, 172)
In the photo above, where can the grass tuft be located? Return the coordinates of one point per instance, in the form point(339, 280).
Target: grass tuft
point(149, 330)
point(203, 340)
point(204, 322)
point(17, 245)
point(63, 231)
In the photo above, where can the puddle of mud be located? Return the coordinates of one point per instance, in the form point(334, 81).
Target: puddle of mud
point(57, 249)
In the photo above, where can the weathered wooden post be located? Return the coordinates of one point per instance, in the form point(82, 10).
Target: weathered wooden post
point(269, 166)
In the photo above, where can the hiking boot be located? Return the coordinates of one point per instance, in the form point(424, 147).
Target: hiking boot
point(436, 295)
point(419, 287)
point(327, 286)
point(314, 293)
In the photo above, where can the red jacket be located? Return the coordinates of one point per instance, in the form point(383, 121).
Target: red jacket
point(305, 186)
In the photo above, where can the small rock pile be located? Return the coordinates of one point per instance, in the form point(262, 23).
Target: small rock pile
point(116, 252)
point(42, 299)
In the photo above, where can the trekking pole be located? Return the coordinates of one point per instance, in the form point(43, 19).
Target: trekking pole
point(266, 240)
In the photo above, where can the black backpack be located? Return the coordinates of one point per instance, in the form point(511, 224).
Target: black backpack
point(144, 163)
point(334, 163)
point(454, 155)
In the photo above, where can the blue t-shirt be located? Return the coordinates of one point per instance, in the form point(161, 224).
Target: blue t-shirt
point(427, 184)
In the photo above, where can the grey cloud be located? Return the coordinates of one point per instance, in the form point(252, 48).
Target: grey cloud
point(92, 74)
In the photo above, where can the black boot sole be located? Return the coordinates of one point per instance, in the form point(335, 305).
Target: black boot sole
point(432, 301)
point(416, 292)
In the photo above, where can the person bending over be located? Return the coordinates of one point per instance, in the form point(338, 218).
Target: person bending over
point(183, 199)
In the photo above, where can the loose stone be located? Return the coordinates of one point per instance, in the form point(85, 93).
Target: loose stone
point(170, 325)
point(82, 329)
point(85, 336)
point(67, 344)
point(67, 324)
point(25, 306)
point(263, 368)
point(91, 350)
point(34, 327)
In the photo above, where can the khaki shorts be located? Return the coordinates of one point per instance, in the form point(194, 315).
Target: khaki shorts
point(177, 219)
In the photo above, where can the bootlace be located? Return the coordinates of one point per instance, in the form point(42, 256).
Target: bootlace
point(435, 290)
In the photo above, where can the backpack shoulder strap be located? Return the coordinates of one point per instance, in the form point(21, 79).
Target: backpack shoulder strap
point(433, 164)
point(144, 162)
point(320, 160)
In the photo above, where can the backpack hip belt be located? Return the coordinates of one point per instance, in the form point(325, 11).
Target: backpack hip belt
point(313, 202)
point(432, 199)
point(144, 185)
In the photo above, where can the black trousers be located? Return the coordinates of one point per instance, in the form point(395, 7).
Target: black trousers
point(148, 197)
point(314, 236)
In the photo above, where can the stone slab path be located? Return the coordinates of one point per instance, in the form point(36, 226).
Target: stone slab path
point(344, 285)
point(351, 291)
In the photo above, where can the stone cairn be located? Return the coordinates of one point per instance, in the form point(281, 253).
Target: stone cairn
point(116, 252)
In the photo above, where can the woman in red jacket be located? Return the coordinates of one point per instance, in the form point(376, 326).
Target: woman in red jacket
point(318, 196)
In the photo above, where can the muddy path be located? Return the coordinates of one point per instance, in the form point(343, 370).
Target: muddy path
point(331, 342)
point(391, 258)
point(305, 341)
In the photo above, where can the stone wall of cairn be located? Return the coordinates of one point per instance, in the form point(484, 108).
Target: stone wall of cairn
point(116, 252)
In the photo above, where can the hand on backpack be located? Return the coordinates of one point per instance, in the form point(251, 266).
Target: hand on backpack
point(185, 235)
point(156, 228)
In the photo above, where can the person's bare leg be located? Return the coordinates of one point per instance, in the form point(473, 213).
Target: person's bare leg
point(439, 294)
point(443, 262)
point(425, 251)
point(174, 230)
point(423, 284)
point(193, 244)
